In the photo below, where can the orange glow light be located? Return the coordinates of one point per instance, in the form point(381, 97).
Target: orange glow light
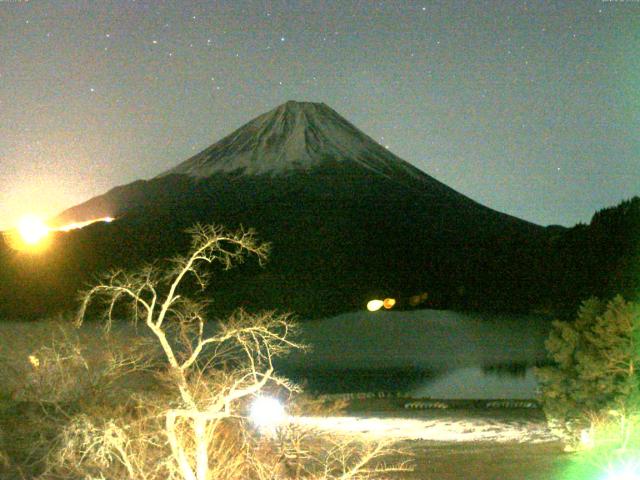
point(388, 303)
point(33, 235)
point(32, 229)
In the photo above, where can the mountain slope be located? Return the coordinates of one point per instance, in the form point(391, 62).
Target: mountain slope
point(294, 139)
point(348, 220)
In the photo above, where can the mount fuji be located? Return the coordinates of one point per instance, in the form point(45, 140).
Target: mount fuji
point(293, 140)
point(347, 219)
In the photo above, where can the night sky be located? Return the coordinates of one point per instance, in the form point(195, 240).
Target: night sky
point(531, 108)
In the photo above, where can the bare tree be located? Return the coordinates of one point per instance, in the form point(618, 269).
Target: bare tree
point(213, 372)
point(178, 324)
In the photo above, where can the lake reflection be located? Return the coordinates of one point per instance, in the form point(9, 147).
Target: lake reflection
point(457, 355)
point(478, 383)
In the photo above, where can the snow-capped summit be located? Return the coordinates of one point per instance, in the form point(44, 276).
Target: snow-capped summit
point(292, 136)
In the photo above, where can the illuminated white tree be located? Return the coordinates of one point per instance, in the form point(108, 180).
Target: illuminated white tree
point(250, 342)
point(213, 372)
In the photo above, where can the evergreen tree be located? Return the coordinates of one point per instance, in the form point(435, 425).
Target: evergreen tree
point(595, 363)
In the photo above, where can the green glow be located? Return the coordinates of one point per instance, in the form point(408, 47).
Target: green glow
point(603, 466)
point(616, 451)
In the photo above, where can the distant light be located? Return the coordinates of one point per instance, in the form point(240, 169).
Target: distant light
point(388, 303)
point(85, 223)
point(374, 305)
point(416, 300)
point(32, 229)
point(267, 413)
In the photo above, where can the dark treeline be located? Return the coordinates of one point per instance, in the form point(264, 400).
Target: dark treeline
point(338, 260)
point(601, 259)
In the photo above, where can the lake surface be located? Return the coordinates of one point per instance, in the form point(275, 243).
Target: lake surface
point(426, 353)
point(477, 383)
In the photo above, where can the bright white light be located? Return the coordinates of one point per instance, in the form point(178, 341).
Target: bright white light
point(585, 438)
point(630, 471)
point(374, 305)
point(32, 229)
point(267, 412)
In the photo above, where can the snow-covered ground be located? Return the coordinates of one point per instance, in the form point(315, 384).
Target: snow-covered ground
point(446, 429)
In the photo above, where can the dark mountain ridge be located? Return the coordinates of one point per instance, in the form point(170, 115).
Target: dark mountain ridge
point(347, 219)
